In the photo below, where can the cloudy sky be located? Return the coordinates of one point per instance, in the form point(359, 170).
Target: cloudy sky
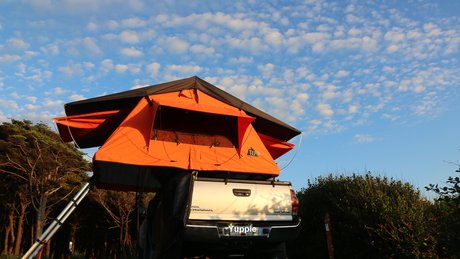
point(373, 86)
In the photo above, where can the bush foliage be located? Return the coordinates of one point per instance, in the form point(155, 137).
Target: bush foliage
point(448, 206)
point(371, 217)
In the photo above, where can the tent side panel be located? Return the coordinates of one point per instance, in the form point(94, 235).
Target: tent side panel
point(89, 130)
point(275, 146)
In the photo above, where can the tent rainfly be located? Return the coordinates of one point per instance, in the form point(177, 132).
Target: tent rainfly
point(187, 124)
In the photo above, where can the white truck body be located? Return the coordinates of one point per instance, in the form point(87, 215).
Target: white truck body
point(241, 200)
point(236, 216)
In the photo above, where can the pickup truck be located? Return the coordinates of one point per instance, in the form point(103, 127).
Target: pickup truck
point(223, 218)
point(250, 218)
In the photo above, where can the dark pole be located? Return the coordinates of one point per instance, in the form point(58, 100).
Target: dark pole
point(330, 246)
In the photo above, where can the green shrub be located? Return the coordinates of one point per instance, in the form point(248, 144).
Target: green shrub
point(371, 217)
point(448, 211)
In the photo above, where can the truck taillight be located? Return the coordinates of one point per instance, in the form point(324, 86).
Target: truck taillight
point(295, 203)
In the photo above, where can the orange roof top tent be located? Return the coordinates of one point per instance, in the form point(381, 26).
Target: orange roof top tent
point(187, 124)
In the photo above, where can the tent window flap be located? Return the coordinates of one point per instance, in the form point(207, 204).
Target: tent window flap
point(197, 128)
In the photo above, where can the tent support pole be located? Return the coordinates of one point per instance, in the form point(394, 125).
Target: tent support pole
point(57, 222)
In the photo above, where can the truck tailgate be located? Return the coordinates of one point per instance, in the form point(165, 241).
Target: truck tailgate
point(239, 200)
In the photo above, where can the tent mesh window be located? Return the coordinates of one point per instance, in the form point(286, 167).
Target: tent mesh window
point(197, 128)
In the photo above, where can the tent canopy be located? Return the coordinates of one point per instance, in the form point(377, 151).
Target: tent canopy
point(124, 102)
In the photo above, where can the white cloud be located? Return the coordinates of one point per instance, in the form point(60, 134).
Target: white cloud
point(331, 92)
point(266, 69)
point(53, 103)
point(392, 48)
point(289, 76)
point(394, 36)
point(389, 69)
point(32, 107)
point(30, 54)
point(88, 65)
point(112, 25)
point(76, 97)
point(9, 58)
point(71, 70)
point(92, 26)
point(432, 30)
point(242, 60)
point(134, 22)
point(133, 68)
point(22, 69)
point(9, 104)
point(414, 34)
point(227, 82)
point(251, 44)
point(354, 32)
point(15, 95)
point(202, 49)
point(131, 52)
point(365, 43)
point(153, 69)
point(274, 38)
point(234, 22)
point(347, 96)
point(18, 43)
point(91, 46)
point(121, 68)
point(184, 69)
point(427, 106)
point(324, 109)
point(33, 99)
point(58, 91)
point(318, 47)
point(342, 73)
point(350, 18)
point(129, 37)
point(353, 108)
point(314, 37)
point(51, 49)
point(302, 96)
point(106, 66)
point(176, 45)
point(363, 138)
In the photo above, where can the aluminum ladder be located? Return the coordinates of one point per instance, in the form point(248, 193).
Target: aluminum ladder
point(57, 222)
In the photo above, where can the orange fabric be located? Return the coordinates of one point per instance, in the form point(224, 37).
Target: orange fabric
point(123, 148)
point(275, 146)
point(81, 126)
point(196, 100)
point(127, 145)
point(134, 131)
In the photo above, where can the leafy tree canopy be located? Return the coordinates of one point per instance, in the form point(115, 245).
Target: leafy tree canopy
point(372, 217)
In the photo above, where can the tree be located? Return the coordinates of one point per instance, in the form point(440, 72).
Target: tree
point(448, 205)
point(121, 209)
point(119, 206)
point(372, 217)
point(40, 167)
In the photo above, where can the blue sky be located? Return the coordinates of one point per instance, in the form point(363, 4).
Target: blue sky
point(373, 86)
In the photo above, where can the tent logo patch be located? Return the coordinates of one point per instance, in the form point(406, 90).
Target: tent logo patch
point(253, 152)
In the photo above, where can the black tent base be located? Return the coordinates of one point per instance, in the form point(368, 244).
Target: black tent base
point(136, 178)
